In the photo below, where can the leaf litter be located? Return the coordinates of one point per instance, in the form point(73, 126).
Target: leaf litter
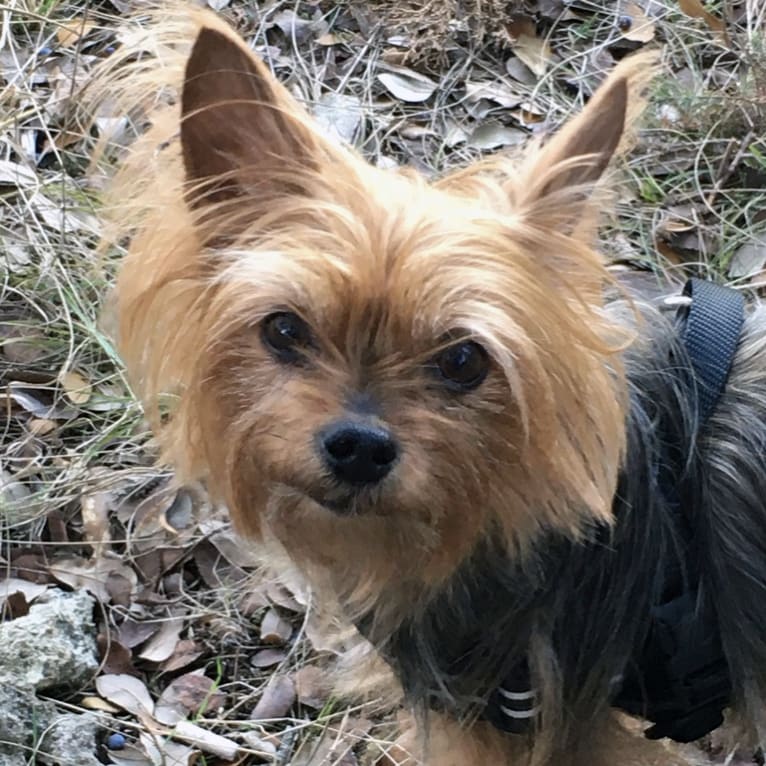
point(199, 653)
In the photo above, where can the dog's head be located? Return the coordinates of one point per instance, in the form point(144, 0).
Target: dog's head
point(374, 369)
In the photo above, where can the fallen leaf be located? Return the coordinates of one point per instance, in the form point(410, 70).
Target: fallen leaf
point(22, 343)
point(131, 755)
point(339, 116)
point(164, 752)
point(12, 492)
point(311, 686)
point(191, 694)
point(76, 387)
point(635, 25)
point(98, 703)
point(267, 658)
point(277, 698)
point(234, 549)
point(497, 92)
point(534, 51)
point(517, 69)
point(163, 643)
point(259, 745)
point(274, 628)
point(493, 136)
point(94, 509)
point(206, 740)
point(184, 654)
point(116, 658)
point(127, 692)
point(12, 585)
point(69, 33)
point(92, 574)
point(407, 85)
point(749, 260)
point(41, 426)
point(132, 632)
point(14, 174)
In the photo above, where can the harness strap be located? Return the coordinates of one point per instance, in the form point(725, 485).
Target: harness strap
point(682, 682)
point(713, 326)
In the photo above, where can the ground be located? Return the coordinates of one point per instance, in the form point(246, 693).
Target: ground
point(428, 84)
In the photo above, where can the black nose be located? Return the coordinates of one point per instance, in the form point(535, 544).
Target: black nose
point(358, 453)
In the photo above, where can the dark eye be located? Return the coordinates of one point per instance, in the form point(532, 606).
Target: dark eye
point(464, 365)
point(286, 335)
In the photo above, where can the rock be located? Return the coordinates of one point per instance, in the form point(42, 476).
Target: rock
point(71, 739)
point(23, 717)
point(53, 645)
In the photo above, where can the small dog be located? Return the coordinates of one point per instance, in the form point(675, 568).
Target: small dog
point(429, 400)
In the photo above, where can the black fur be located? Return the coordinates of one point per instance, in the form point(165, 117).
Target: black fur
point(689, 508)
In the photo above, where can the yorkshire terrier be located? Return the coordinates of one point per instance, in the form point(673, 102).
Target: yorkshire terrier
point(539, 497)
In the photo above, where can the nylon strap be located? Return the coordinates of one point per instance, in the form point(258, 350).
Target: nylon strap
point(713, 326)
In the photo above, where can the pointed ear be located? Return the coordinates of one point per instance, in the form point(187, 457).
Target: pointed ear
point(563, 173)
point(240, 131)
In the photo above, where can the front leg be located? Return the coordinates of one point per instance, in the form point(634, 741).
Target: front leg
point(444, 742)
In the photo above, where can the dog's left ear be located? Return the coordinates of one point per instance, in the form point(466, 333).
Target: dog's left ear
point(556, 182)
point(242, 134)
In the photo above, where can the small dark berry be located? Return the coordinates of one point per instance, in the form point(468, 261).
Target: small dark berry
point(624, 23)
point(116, 741)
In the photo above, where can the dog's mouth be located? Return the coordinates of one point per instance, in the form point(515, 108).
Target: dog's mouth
point(342, 502)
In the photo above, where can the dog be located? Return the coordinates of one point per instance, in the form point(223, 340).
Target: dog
point(432, 400)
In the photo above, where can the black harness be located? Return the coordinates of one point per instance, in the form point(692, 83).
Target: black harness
point(679, 679)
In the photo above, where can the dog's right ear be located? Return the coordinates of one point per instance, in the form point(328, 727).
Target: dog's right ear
point(242, 134)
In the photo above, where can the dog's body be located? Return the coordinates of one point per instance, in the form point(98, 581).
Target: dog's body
point(418, 395)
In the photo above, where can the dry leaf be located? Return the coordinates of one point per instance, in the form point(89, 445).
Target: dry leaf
point(497, 92)
point(534, 51)
point(94, 509)
point(517, 69)
point(184, 654)
point(407, 85)
point(277, 698)
point(22, 343)
point(339, 116)
point(116, 658)
point(127, 692)
point(491, 136)
point(41, 426)
point(274, 628)
point(92, 575)
point(188, 695)
point(267, 658)
point(163, 643)
point(71, 32)
point(311, 686)
point(749, 260)
point(637, 26)
point(164, 752)
point(12, 585)
point(132, 632)
point(14, 174)
point(77, 388)
point(97, 703)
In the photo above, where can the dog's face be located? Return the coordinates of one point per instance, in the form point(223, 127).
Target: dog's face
point(382, 370)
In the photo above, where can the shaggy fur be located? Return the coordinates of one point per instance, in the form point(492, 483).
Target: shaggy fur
point(523, 515)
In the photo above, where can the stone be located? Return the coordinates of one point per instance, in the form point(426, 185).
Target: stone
point(53, 645)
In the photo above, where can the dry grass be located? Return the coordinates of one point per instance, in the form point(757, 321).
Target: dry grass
point(71, 431)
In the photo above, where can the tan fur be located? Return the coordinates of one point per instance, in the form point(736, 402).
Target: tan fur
point(383, 267)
